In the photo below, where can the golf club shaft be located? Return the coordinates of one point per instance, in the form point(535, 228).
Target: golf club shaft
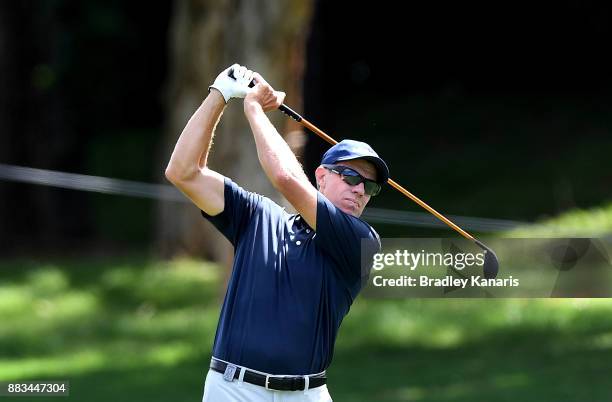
point(295, 116)
point(430, 209)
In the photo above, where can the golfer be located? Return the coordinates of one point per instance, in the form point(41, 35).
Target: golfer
point(294, 276)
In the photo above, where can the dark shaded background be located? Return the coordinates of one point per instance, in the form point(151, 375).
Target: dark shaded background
point(483, 109)
point(84, 89)
point(486, 109)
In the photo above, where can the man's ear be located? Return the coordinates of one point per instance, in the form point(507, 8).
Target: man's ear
point(320, 176)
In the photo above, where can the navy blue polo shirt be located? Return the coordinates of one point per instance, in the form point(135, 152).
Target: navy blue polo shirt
point(290, 287)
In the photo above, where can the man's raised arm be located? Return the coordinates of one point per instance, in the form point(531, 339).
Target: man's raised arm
point(275, 156)
point(188, 169)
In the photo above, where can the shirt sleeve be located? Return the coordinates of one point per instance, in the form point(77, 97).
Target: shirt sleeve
point(349, 241)
point(239, 207)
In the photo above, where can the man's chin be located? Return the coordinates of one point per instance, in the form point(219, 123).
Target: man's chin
point(354, 212)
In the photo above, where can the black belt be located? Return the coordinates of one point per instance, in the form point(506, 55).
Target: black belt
point(297, 383)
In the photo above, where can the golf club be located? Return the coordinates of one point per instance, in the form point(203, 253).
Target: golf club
point(491, 264)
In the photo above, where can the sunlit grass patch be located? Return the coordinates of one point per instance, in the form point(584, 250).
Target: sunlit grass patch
point(449, 323)
point(163, 284)
point(73, 316)
point(592, 222)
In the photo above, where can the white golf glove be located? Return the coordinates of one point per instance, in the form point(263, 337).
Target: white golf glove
point(236, 87)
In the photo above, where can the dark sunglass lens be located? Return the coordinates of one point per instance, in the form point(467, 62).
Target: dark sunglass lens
point(352, 180)
point(372, 188)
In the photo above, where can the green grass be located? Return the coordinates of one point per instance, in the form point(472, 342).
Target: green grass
point(593, 222)
point(115, 329)
point(135, 329)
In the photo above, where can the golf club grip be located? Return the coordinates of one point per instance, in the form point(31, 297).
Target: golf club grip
point(290, 112)
point(230, 74)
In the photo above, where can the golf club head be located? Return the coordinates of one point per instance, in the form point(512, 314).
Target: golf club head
point(491, 264)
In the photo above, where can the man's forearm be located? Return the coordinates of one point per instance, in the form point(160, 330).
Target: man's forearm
point(275, 156)
point(191, 150)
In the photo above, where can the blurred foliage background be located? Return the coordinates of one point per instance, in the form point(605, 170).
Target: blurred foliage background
point(489, 110)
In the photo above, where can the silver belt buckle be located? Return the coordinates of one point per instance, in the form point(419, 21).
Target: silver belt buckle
point(230, 370)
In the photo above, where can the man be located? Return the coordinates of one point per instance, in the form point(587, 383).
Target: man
point(295, 276)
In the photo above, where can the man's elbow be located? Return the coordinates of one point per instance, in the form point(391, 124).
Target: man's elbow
point(280, 179)
point(285, 181)
point(171, 174)
point(176, 175)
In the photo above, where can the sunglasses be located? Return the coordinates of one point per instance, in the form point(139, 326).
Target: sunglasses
point(353, 178)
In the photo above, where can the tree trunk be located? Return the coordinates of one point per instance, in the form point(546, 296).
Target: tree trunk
point(268, 36)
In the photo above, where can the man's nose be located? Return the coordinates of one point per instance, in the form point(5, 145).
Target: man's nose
point(359, 189)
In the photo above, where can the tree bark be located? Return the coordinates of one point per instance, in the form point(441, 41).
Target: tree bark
point(268, 36)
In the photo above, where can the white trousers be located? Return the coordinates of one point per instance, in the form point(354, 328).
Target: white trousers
point(216, 389)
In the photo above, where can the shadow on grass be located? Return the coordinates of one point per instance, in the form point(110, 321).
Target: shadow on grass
point(510, 365)
point(152, 383)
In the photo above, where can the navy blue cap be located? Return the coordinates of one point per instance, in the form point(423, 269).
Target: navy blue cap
point(347, 150)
